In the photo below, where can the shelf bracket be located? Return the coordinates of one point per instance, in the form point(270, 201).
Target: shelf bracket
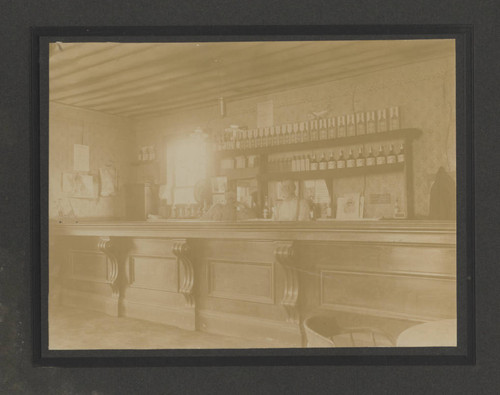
point(182, 251)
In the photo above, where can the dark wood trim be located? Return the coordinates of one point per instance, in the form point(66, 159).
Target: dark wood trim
point(396, 231)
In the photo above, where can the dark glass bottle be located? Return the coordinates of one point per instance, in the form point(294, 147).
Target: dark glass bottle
point(341, 161)
point(391, 156)
point(323, 164)
point(401, 154)
point(360, 160)
point(314, 133)
point(370, 159)
point(332, 163)
point(381, 160)
point(323, 130)
point(351, 162)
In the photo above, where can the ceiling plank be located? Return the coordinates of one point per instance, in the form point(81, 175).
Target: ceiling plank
point(293, 76)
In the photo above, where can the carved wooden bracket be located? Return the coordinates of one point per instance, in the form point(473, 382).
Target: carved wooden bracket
point(106, 246)
point(284, 254)
point(182, 251)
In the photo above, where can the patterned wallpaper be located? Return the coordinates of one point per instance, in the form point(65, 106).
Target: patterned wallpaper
point(110, 140)
point(424, 91)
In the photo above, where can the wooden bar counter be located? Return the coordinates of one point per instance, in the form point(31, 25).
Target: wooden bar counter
point(258, 279)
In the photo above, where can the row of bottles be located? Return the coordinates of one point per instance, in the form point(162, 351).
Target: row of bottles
point(316, 210)
point(360, 123)
point(147, 153)
point(311, 162)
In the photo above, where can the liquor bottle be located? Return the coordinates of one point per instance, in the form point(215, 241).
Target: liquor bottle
point(244, 141)
point(341, 161)
point(266, 137)
point(239, 135)
point(401, 154)
point(371, 123)
point(351, 125)
point(271, 136)
point(294, 138)
point(224, 140)
point(302, 161)
point(323, 164)
point(382, 120)
point(265, 211)
point(256, 138)
point(332, 128)
point(394, 123)
point(332, 163)
point(289, 134)
point(282, 139)
point(381, 157)
point(391, 156)
point(351, 162)
point(277, 135)
point(289, 163)
point(341, 129)
point(323, 131)
point(360, 160)
point(307, 162)
point(294, 163)
point(305, 132)
point(314, 133)
point(360, 124)
point(261, 137)
point(370, 159)
point(233, 138)
point(250, 139)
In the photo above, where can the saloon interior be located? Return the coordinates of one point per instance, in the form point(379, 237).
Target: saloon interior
point(252, 194)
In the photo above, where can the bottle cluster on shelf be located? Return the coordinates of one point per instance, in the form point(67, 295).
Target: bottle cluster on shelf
point(147, 153)
point(346, 125)
point(331, 161)
point(240, 162)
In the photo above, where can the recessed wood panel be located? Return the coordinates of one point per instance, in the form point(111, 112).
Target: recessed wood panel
point(418, 295)
point(89, 266)
point(247, 281)
point(156, 273)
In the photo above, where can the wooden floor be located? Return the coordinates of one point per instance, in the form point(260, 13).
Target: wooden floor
point(71, 329)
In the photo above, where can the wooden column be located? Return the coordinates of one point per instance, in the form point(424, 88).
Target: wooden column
point(284, 255)
point(106, 246)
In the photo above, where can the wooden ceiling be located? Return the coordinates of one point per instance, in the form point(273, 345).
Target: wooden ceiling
point(143, 80)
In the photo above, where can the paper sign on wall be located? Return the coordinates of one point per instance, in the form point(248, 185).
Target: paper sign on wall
point(81, 157)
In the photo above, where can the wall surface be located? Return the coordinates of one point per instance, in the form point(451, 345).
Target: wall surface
point(110, 140)
point(424, 91)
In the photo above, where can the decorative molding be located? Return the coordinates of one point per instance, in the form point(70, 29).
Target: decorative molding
point(182, 251)
point(284, 255)
point(107, 247)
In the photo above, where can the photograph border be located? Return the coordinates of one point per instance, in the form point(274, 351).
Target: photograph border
point(461, 355)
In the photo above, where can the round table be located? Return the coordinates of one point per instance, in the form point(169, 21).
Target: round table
point(441, 333)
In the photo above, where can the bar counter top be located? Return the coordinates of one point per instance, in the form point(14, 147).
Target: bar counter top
point(392, 231)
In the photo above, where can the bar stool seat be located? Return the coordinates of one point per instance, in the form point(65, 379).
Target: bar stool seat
point(323, 331)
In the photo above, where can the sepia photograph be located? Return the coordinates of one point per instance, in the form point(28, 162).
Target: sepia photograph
point(252, 194)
